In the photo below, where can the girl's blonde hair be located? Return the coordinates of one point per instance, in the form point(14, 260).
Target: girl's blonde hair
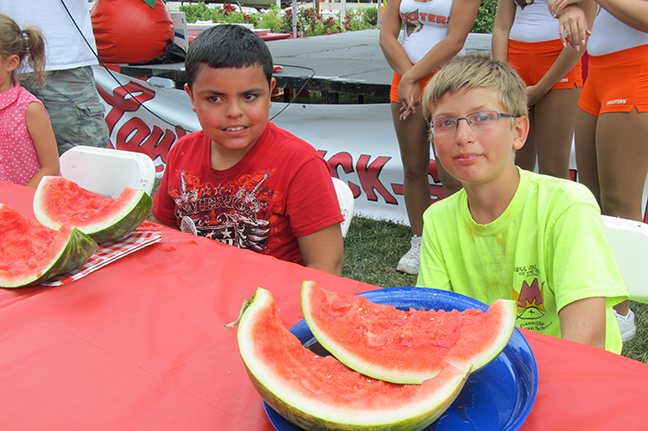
point(477, 71)
point(27, 43)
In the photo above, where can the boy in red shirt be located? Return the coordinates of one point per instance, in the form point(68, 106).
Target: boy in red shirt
point(242, 180)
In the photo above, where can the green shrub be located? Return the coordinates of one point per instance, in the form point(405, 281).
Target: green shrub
point(196, 12)
point(485, 17)
point(270, 18)
point(360, 19)
point(370, 16)
point(228, 14)
point(310, 22)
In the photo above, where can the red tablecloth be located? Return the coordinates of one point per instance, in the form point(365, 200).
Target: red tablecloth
point(140, 345)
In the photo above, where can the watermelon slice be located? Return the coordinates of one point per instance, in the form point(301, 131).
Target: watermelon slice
point(318, 392)
point(404, 346)
point(31, 253)
point(59, 201)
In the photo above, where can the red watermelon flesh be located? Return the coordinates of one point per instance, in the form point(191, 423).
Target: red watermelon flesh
point(58, 201)
point(31, 253)
point(316, 392)
point(404, 346)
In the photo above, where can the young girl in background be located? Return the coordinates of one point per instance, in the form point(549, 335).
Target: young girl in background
point(27, 144)
point(527, 36)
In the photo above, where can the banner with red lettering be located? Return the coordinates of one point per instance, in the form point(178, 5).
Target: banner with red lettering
point(358, 141)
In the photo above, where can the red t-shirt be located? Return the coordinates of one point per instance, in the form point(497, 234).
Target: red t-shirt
point(279, 191)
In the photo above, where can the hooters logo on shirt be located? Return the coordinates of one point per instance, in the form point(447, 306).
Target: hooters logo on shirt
point(422, 17)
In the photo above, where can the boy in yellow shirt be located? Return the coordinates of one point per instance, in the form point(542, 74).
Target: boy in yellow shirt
point(511, 233)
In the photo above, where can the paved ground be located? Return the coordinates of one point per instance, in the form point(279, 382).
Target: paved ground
point(349, 56)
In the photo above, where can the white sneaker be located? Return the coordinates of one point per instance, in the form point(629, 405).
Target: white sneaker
point(411, 262)
point(626, 325)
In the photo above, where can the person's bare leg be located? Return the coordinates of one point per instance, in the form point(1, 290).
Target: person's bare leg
point(412, 134)
point(622, 152)
point(555, 117)
point(585, 140)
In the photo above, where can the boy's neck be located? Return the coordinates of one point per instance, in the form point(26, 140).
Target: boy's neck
point(486, 202)
point(221, 159)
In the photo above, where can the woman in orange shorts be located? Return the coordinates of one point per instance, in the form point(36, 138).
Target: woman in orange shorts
point(526, 35)
point(430, 39)
point(612, 120)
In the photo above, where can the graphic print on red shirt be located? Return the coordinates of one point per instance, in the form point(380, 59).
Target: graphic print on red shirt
point(236, 214)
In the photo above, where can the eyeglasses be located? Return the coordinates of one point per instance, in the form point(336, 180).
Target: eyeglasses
point(477, 121)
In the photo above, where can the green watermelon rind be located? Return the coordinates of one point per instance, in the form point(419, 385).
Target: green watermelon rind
point(120, 224)
point(507, 309)
point(309, 421)
point(76, 251)
point(399, 375)
point(126, 221)
point(310, 414)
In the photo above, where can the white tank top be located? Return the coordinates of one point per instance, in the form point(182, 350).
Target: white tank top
point(534, 23)
point(611, 35)
point(426, 24)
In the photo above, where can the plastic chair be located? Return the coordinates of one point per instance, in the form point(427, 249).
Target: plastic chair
point(629, 242)
point(346, 201)
point(107, 171)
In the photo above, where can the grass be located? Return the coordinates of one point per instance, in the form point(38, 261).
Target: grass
point(372, 249)
point(638, 347)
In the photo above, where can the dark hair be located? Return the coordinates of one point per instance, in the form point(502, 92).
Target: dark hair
point(26, 43)
point(227, 46)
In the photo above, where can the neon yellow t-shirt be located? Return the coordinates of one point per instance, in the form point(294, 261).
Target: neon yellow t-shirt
point(548, 249)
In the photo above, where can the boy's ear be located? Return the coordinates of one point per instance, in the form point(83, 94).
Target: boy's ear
point(273, 84)
point(188, 91)
point(521, 131)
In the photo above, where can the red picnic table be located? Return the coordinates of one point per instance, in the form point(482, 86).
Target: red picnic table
point(140, 344)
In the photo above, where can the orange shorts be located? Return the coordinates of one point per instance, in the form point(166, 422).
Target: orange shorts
point(616, 82)
point(393, 92)
point(532, 60)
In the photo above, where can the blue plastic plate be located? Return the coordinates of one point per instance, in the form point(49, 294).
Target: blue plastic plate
point(498, 397)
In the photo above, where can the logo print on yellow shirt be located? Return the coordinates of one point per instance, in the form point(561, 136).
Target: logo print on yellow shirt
point(530, 304)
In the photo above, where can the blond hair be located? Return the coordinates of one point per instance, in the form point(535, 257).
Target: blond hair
point(477, 71)
point(26, 43)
